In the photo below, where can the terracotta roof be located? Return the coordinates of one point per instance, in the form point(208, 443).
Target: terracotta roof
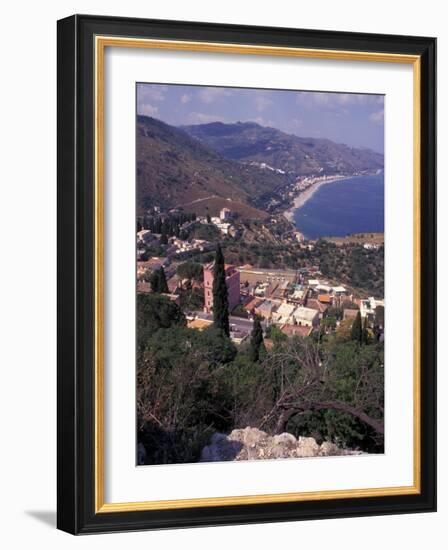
point(315, 304)
point(252, 304)
point(324, 298)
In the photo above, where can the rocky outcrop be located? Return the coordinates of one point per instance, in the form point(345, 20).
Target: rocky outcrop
point(254, 444)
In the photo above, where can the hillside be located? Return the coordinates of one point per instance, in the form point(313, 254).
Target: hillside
point(174, 169)
point(249, 142)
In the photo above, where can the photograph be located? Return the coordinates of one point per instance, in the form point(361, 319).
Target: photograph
point(260, 311)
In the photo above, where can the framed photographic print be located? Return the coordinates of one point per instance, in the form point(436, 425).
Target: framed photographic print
point(246, 270)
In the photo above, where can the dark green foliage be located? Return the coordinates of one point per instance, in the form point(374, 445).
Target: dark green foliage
point(206, 232)
point(365, 331)
point(163, 238)
point(357, 331)
point(181, 398)
point(256, 346)
point(275, 334)
point(191, 270)
point(158, 283)
point(155, 312)
point(220, 294)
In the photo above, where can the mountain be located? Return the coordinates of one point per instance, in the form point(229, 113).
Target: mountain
point(249, 142)
point(174, 169)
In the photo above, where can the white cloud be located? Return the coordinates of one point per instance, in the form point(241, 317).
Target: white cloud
point(148, 110)
point(185, 98)
point(377, 117)
point(151, 92)
point(209, 95)
point(336, 100)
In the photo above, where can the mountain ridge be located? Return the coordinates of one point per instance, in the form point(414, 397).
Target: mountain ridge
point(249, 142)
point(174, 169)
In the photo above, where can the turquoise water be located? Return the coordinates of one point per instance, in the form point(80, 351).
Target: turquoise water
point(339, 208)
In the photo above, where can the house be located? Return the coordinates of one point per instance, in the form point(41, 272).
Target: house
point(232, 283)
point(305, 316)
point(317, 306)
point(283, 313)
point(252, 304)
point(296, 330)
point(325, 299)
point(323, 289)
point(238, 335)
point(225, 214)
point(143, 268)
point(340, 291)
point(264, 309)
point(145, 236)
point(367, 307)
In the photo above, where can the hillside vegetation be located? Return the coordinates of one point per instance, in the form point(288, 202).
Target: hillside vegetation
point(249, 142)
point(174, 169)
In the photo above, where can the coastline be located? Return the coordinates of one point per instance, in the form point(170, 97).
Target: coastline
point(305, 195)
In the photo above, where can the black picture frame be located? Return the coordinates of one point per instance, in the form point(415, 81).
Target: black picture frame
point(76, 301)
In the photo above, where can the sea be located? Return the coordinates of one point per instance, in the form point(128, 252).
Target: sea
point(344, 207)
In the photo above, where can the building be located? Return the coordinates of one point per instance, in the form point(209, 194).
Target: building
point(225, 214)
point(145, 236)
point(283, 313)
point(367, 307)
point(232, 283)
point(264, 309)
point(325, 299)
point(305, 317)
point(296, 330)
point(150, 265)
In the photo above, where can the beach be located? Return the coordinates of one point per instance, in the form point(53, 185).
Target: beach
point(305, 195)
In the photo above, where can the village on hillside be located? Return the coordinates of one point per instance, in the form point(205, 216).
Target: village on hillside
point(293, 302)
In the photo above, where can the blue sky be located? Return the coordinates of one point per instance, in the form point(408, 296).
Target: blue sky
point(354, 119)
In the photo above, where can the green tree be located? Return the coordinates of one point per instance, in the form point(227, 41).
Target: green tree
point(256, 346)
point(163, 238)
point(220, 294)
point(365, 331)
point(357, 332)
point(163, 285)
point(158, 283)
point(154, 312)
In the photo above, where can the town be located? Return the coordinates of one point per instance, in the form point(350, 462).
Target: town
point(289, 302)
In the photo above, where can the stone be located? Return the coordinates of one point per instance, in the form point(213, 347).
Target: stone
point(254, 444)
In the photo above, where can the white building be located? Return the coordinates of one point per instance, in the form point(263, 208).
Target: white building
point(283, 314)
point(368, 307)
point(225, 214)
point(144, 236)
point(305, 316)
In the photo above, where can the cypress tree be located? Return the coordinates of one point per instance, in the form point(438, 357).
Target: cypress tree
point(365, 332)
point(357, 332)
point(163, 285)
point(154, 281)
point(158, 281)
point(256, 341)
point(220, 294)
point(163, 237)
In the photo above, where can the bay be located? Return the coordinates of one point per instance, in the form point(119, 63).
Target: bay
point(343, 207)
